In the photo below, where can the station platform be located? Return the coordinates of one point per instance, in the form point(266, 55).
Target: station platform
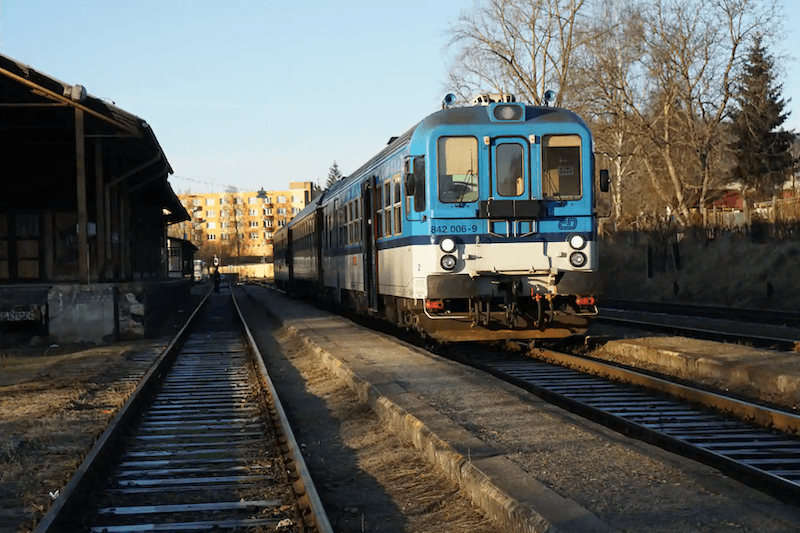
point(763, 375)
point(527, 464)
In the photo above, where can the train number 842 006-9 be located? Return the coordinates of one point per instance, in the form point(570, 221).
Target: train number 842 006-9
point(453, 228)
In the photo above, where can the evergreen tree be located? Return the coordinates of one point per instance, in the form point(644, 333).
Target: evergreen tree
point(333, 175)
point(763, 159)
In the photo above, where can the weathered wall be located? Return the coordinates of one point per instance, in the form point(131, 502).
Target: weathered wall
point(98, 313)
point(728, 271)
point(82, 313)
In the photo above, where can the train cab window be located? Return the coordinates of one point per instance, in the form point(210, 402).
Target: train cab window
point(561, 167)
point(458, 169)
point(509, 164)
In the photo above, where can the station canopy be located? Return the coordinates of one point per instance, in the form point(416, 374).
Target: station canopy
point(46, 125)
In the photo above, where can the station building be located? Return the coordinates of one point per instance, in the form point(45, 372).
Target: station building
point(84, 209)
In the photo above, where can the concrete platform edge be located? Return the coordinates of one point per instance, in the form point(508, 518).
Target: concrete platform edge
point(484, 494)
point(763, 375)
point(544, 512)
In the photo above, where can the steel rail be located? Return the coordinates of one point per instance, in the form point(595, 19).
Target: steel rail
point(304, 485)
point(745, 314)
point(111, 436)
point(663, 413)
point(188, 452)
point(758, 414)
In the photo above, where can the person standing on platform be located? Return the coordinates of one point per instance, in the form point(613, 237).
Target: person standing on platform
point(216, 279)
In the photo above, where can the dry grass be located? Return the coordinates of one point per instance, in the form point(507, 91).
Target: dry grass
point(53, 405)
point(388, 467)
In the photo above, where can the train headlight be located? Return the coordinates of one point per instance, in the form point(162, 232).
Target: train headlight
point(577, 259)
point(448, 245)
point(448, 262)
point(577, 241)
point(508, 112)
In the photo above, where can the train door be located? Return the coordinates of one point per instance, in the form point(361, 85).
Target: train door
point(512, 189)
point(325, 244)
point(369, 189)
point(511, 169)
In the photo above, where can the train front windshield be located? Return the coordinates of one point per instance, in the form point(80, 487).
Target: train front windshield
point(561, 167)
point(458, 169)
point(561, 176)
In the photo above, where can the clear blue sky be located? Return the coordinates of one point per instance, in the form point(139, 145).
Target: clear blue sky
point(259, 93)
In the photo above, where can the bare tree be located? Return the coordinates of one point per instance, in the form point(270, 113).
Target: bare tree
point(524, 47)
point(656, 88)
point(693, 52)
point(232, 217)
point(603, 74)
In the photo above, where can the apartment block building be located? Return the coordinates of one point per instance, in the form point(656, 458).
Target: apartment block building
point(238, 226)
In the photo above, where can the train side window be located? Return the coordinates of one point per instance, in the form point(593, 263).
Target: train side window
point(342, 227)
point(353, 222)
point(378, 229)
point(419, 180)
point(387, 208)
point(349, 213)
point(458, 169)
point(398, 205)
point(561, 167)
point(358, 219)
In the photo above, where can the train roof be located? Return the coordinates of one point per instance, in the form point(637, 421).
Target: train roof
point(479, 114)
point(475, 114)
point(395, 144)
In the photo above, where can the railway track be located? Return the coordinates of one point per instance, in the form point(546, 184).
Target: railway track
point(201, 445)
point(770, 328)
point(755, 444)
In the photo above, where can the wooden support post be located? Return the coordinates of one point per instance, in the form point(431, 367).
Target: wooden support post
point(83, 217)
point(111, 206)
point(100, 199)
point(124, 241)
point(49, 240)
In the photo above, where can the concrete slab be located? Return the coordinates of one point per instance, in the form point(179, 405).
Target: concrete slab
point(764, 375)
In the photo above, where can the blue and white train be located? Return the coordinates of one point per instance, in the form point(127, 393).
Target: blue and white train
point(477, 224)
